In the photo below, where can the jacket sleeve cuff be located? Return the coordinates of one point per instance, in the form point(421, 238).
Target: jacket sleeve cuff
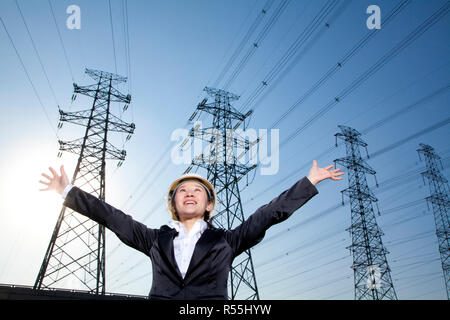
point(66, 191)
point(311, 184)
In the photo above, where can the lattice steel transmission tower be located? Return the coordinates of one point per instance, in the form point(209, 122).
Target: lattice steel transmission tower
point(76, 253)
point(440, 205)
point(225, 167)
point(372, 275)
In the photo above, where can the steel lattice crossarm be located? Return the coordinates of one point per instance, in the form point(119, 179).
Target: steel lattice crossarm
point(357, 164)
point(221, 103)
point(83, 116)
point(103, 92)
point(214, 137)
point(364, 191)
point(204, 162)
point(221, 95)
point(350, 135)
point(99, 75)
point(93, 148)
point(103, 89)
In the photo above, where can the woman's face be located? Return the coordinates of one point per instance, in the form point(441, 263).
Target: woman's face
point(191, 201)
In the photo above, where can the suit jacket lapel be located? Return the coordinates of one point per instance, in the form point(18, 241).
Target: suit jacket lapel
point(207, 240)
point(166, 245)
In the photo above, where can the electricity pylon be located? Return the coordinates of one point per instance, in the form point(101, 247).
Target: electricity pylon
point(225, 168)
point(372, 275)
point(75, 256)
point(440, 205)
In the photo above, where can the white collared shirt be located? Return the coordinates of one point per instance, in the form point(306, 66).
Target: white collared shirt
point(184, 243)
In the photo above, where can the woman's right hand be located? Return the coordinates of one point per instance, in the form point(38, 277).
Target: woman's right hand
point(57, 183)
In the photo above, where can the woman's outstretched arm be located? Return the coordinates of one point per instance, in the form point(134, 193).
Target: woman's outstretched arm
point(129, 231)
point(252, 230)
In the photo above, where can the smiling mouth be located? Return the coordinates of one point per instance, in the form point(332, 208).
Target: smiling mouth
point(189, 202)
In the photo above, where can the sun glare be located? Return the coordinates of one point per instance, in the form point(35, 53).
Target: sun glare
point(27, 215)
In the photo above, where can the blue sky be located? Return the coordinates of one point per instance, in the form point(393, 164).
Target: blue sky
point(176, 49)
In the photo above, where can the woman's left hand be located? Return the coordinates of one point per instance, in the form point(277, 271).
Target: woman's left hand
point(317, 174)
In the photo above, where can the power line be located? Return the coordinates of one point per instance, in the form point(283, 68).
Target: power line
point(341, 62)
point(322, 251)
point(424, 294)
point(61, 41)
point(277, 281)
point(415, 250)
point(417, 32)
point(377, 153)
point(112, 35)
point(127, 42)
point(292, 50)
point(386, 185)
point(403, 206)
point(321, 285)
point(408, 108)
point(413, 265)
point(29, 78)
point(334, 261)
point(260, 38)
point(147, 274)
point(413, 136)
point(244, 40)
point(37, 53)
point(387, 119)
point(414, 257)
point(400, 279)
point(323, 237)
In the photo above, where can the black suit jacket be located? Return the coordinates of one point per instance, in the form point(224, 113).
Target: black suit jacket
point(207, 274)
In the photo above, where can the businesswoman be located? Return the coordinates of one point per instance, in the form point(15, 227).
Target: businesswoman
point(191, 258)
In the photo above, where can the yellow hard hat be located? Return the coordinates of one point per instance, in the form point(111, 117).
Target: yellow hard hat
point(209, 188)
